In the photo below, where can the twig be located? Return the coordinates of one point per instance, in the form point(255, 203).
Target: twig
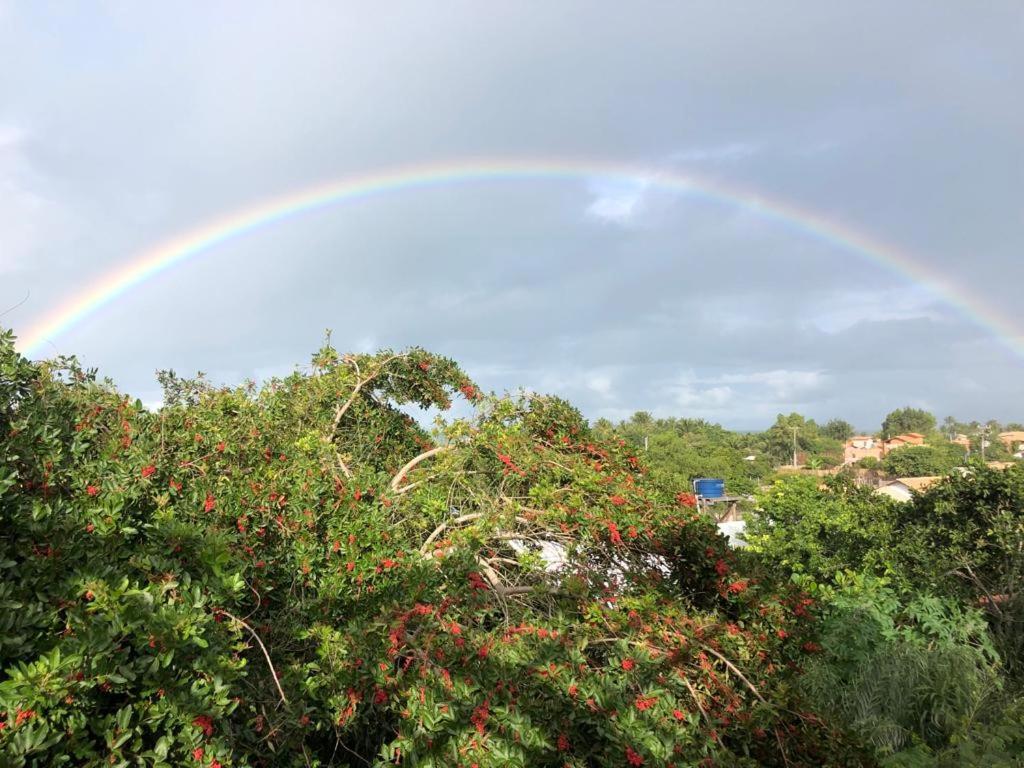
point(397, 479)
point(273, 673)
point(738, 674)
point(696, 700)
point(441, 528)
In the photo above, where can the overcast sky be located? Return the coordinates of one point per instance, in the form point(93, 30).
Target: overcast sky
point(125, 124)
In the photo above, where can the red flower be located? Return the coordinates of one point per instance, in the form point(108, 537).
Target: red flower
point(23, 715)
point(721, 567)
point(148, 470)
point(613, 532)
point(644, 704)
point(92, 490)
point(349, 565)
point(628, 664)
point(617, 500)
point(810, 647)
point(174, 485)
point(205, 722)
point(220, 447)
point(471, 392)
point(738, 586)
point(209, 504)
point(479, 717)
point(678, 714)
point(563, 742)
point(380, 697)
point(783, 634)
point(197, 753)
point(633, 758)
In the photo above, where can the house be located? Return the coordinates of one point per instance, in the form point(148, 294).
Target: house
point(900, 441)
point(903, 488)
point(962, 440)
point(861, 447)
point(1013, 440)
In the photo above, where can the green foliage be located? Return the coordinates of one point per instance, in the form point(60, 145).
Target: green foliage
point(779, 438)
point(298, 574)
point(923, 460)
point(908, 419)
point(914, 675)
point(678, 451)
point(807, 526)
point(838, 429)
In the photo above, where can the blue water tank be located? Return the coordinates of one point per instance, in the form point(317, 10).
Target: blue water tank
point(710, 488)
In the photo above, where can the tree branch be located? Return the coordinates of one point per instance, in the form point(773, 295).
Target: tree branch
point(266, 655)
point(400, 475)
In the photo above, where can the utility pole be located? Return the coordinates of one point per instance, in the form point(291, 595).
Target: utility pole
point(794, 445)
point(645, 442)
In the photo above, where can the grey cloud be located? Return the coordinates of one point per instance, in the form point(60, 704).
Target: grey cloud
point(133, 123)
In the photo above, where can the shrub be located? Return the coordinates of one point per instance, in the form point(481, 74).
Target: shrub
point(299, 574)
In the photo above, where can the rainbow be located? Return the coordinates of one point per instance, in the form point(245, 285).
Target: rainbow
point(150, 263)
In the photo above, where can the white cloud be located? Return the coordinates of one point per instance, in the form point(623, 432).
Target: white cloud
point(755, 392)
point(782, 384)
point(617, 202)
point(838, 312)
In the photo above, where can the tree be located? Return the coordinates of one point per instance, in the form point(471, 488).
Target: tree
point(804, 526)
point(908, 419)
point(838, 429)
point(923, 460)
point(299, 574)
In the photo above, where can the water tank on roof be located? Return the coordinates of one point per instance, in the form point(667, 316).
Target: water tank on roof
point(709, 487)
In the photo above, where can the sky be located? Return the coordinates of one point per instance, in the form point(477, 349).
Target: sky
point(124, 125)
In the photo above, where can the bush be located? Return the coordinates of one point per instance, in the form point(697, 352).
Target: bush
point(915, 676)
point(300, 575)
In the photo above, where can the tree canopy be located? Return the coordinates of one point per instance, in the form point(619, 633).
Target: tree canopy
point(908, 419)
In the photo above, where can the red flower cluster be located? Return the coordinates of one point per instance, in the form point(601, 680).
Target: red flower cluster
point(687, 499)
point(739, 586)
point(633, 758)
point(148, 470)
point(476, 581)
point(205, 722)
point(613, 532)
point(628, 664)
point(479, 717)
point(92, 490)
point(209, 504)
point(617, 500)
point(644, 704)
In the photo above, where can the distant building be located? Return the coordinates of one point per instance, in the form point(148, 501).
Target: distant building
point(1014, 441)
point(903, 488)
point(901, 441)
point(962, 440)
point(861, 447)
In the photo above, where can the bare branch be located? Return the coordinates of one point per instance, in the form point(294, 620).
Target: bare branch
point(397, 479)
point(443, 526)
point(736, 671)
point(266, 655)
